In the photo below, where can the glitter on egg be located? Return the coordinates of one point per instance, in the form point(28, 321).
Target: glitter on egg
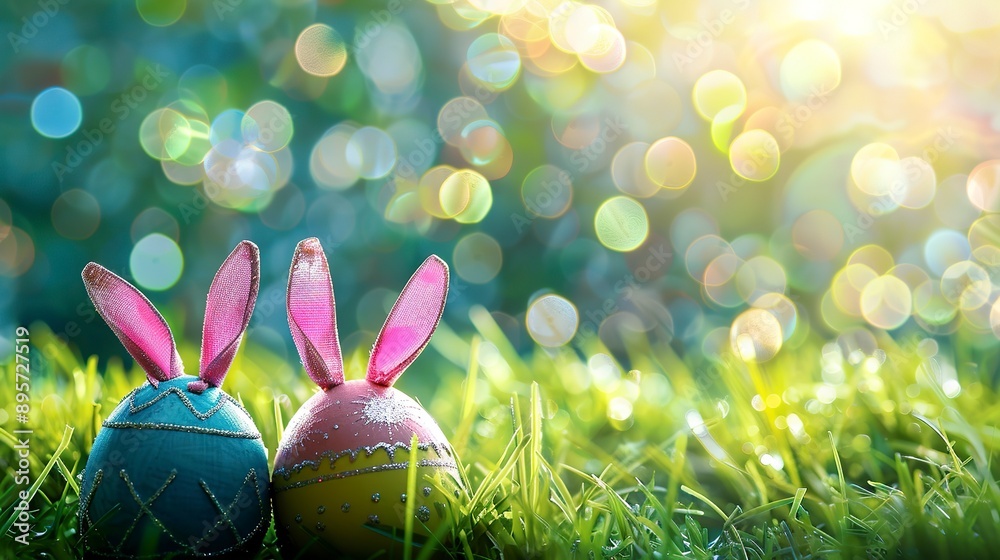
point(385, 410)
point(169, 426)
point(362, 464)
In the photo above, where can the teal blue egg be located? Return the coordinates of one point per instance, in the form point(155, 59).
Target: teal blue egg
point(175, 472)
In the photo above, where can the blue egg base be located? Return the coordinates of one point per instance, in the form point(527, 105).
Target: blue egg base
point(173, 471)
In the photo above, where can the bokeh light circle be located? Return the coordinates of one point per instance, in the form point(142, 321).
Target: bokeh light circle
point(161, 13)
point(875, 169)
point(621, 224)
point(873, 256)
point(758, 276)
point(995, 318)
point(847, 286)
point(754, 155)
point(6, 220)
point(702, 251)
point(983, 186)
point(482, 142)
point(944, 248)
point(985, 232)
point(76, 214)
point(886, 302)
point(547, 191)
point(809, 71)
point(719, 90)
point(156, 262)
point(670, 163)
point(966, 285)
point(17, 253)
point(609, 51)
point(56, 113)
point(320, 50)
point(477, 258)
point(165, 134)
point(328, 162)
point(755, 335)
point(466, 196)
point(267, 126)
point(552, 320)
point(372, 152)
point(456, 115)
point(86, 70)
point(628, 171)
point(782, 308)
point(917, 186)
point(719, 280)
point(226, 132)
point(493, 59)
point(429, 190)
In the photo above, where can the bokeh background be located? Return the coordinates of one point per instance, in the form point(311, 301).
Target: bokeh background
point(726, 175)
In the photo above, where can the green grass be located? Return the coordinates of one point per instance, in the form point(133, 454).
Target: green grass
point(809, 455)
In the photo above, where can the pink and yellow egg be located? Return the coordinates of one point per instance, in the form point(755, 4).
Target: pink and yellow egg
point(340, 474)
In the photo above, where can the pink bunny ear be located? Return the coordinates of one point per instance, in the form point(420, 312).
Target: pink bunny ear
point(411, 322)
point(312, 314)
point(136, 322)
point(227, 314)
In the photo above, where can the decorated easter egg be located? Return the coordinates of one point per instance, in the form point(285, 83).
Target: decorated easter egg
point(340, 474)
point(178, 468)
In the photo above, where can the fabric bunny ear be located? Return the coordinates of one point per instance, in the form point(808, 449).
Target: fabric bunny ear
point(231, 301)
point(312, 314)
point(411, 322)
point(136, 322)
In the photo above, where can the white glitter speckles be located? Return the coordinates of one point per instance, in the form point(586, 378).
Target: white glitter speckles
point(376, 497)
point(373, 519)
point(188, 547)
point(223, 399)
point(441, 450)
point(180, 428)
point(402, 498)
point(375, 468)
point(427, 491)
point(346, 507)
point(389, 410)
point(321, 509)
point(320, 526)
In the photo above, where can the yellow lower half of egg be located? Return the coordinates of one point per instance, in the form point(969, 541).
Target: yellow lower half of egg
point(346, 506)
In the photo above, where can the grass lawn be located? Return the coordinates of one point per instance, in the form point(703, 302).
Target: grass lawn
point(830, 450)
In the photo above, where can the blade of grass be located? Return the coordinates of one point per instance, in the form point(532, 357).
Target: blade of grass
point(411, 495)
